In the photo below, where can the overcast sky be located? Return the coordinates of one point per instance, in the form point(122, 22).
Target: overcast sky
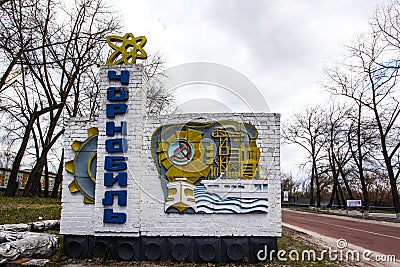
point(281, 46)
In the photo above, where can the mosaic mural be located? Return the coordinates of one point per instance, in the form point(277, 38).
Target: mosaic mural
point(210, 168)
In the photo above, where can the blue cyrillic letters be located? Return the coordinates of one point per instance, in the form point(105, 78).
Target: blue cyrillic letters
point(114, 109)
point(121, 177)
point(116, 164)
point(117, 94)
point(123, 77)
point(113, 217)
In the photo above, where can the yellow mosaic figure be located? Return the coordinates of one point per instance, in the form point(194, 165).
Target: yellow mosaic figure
point(126, 49)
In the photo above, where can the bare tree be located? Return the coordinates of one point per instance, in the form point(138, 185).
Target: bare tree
point(159, 99)
point(80, 51)
point(359, 131)
point(288, 183)
point(371, 84)
point(306, 129)
point(62, 57)
point(337, 150)
point(386, 27)
point(57, 61)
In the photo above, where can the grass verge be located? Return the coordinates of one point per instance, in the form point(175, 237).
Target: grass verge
point(28, 209)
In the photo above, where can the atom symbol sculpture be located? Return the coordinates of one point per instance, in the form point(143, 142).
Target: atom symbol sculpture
point(127, 49)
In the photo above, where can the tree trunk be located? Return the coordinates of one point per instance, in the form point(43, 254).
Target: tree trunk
point(3, 79)
point(388, 164)
point(58, 179)
point(340, 194)
point(364, 189)
point(339, 188)
point(393, 185)
point(346, 183)
point(358, 159)
point(317, 184)
point(12, 185)
point(33, 184)
point(46, 180)
point(17, 161)
point(318, 191)
point(330, 204)
point(339, 203)
point(34, 177)
point(312, 188)
point(335, 173)
point(333, 169)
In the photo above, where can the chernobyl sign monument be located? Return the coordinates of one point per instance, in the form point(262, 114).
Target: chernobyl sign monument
point(183, 187)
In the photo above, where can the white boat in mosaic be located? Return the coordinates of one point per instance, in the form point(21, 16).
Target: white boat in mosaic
point(237, 188)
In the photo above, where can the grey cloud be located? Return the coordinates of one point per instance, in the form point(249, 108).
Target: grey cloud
point(273, 37)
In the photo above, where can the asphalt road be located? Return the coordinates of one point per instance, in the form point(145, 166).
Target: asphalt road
point(382, 237)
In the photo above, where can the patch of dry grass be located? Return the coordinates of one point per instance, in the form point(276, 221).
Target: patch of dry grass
point(28, 209)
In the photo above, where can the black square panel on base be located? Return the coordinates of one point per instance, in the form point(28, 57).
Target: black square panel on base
point(100, 247)
point(180, 249)
point(76, 247)
point(263, 247)
point(235, 249)
point(175, 249)
point(126, 248)
point(207, 249)
point(153, 248)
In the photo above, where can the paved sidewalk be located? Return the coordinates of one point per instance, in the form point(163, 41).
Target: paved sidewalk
point(349, 213)
point(356, 213)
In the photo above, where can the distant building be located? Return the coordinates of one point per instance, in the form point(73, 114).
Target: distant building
point(22, 178)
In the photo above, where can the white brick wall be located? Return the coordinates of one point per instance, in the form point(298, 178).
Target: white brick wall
point(77, 217)
point(145, 207)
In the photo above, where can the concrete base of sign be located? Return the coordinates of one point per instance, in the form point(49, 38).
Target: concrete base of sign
point(169, 248)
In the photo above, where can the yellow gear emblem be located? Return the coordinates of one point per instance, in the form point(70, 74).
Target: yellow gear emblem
point(182, 154)
point(83, 167)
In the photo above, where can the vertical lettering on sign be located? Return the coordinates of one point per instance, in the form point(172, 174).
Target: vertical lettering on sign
point(115, 165)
